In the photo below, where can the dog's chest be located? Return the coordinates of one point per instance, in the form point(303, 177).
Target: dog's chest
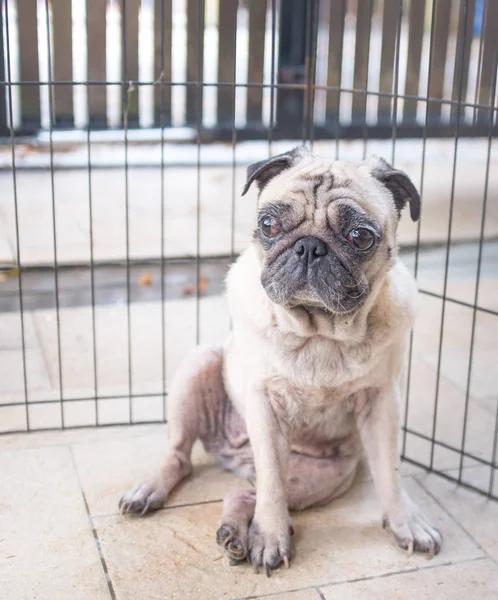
point(322, 364)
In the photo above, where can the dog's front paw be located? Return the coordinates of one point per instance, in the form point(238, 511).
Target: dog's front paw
point(414, 531)
point(269, 547)
point(145, 497)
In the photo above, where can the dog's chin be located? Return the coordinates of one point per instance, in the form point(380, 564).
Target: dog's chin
point(313, 300)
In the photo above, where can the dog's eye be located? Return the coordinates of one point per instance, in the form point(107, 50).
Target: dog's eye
point(270, 226)
point(361, 238)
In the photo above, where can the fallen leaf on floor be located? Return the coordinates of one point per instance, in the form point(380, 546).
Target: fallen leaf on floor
point(145, 280)
point(191, 290)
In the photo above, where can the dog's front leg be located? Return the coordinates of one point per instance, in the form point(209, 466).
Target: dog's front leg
point(378, 422)
point(269, 535)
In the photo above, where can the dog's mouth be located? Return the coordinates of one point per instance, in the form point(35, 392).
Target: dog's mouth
point(323, 282)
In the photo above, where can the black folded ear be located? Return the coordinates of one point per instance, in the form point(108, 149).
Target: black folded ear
point(400, 186)
point(263, 171)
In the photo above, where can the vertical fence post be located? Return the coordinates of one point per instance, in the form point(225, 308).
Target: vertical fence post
point(297, 35)
point(4, 130)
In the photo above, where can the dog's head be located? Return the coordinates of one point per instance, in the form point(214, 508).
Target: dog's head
point(327, 229)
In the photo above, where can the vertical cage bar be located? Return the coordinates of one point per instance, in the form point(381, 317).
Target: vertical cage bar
point(399, 18)
point(162, 41)
point(96, 11)
point(334, 66)
point(362, 47)
point(488, 68)
point(234, 131)
point(198, 98)
point(389, 33)
point(28, 58)
point(195, 66)
point(478, 274)
point(462, 58)
point(438, 59)
point(127, 94)
point(16, 204)
point(292, 66)
point(419, 224)
point(92, 264)
point(62, 24)
point(448, 248)
point(273, 74)
point(257, 22)
point(129, 14)
point(416, 18)
point(226, 60)
point(54, 214)
point(4, 89)
point(312, 16)
point(163, 27)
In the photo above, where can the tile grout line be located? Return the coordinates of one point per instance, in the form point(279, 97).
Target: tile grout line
point(368, 577)
point(163, 508)
point(447, 511)
point(94, 532)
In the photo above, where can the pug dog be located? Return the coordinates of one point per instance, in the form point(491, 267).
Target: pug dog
point(311, 374)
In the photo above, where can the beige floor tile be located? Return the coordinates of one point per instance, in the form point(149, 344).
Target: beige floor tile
point(477, 514)
point(47, 548)
point(127, 462)
point(173, 553)
point(297, 595)
point(476, 579)
point(478, 476)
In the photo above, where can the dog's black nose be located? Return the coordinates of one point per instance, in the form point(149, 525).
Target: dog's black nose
point(310, 248)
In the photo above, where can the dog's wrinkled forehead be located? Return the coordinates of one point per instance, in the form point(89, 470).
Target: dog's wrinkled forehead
point(299, 178)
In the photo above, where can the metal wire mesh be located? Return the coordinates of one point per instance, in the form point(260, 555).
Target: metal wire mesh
point(222, 83)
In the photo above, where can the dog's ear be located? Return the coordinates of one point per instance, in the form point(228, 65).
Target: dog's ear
point(399, 184)
point(263, 171)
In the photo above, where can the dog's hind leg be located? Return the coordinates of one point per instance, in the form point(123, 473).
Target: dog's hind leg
point(312, 482)
point(317, 481)
point(196, 398)
point(232, 534)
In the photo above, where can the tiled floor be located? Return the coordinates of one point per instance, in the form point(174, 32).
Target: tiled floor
point(61, 535)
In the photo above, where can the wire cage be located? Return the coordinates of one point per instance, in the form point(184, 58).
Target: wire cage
point(125, 130)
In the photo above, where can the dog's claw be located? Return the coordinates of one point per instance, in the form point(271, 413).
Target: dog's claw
point(410, 548)
point(286, 561)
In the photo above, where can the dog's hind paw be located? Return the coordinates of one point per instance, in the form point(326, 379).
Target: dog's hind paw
point(233, 540)
point(144, 498)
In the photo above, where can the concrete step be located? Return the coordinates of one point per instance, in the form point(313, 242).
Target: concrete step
point(147, 212)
